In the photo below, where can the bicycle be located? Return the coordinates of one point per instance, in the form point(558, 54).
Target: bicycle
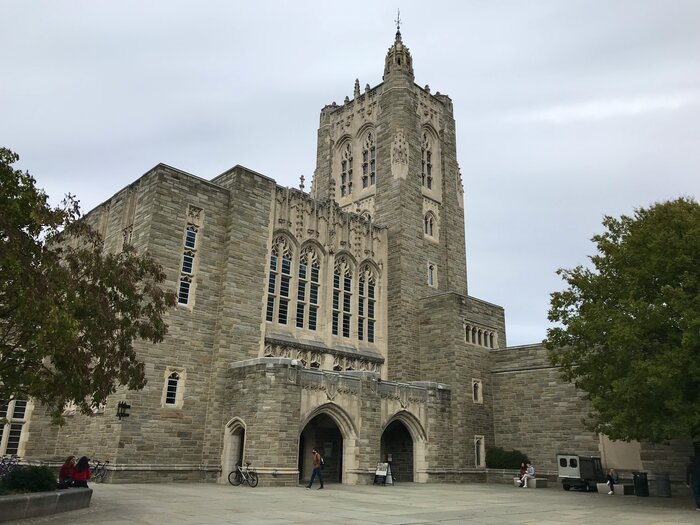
point(8, 464)
point(240, 474)
point(98, 470)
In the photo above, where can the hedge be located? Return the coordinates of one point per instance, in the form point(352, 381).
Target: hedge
point(496, 457)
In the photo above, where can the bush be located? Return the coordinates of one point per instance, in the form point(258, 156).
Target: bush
point(28, 479)
point(496, 457)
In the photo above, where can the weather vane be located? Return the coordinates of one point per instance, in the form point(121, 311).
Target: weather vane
point(398, 20)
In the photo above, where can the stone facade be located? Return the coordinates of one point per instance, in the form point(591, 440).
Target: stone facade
point(337, 319)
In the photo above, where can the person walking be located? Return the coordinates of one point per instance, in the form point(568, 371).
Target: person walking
point(692, 479)
point(317, 470)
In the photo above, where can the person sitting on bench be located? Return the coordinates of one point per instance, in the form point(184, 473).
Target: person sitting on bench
point(612, 479)
point(529, 474)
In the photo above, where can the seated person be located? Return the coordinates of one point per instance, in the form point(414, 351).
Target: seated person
point(81, 474)
point(612, 479)
point(523, 471)
point(529, 474)
point(65, 475)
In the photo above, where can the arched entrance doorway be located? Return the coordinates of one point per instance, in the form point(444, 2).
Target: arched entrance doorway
point(234, 444)
point(322, 433)
point(397, 447)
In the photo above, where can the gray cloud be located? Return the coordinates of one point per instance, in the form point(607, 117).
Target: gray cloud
point(565, 110)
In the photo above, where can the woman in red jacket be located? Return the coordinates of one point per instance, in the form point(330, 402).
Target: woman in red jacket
point(65, 475)
point(81, 474)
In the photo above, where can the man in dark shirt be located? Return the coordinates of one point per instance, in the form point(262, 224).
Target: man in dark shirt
point(692, 478)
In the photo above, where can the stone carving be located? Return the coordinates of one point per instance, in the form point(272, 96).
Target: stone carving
point(399, 156)
point(194, 215)
point(126, 233)
point(403, 395)
point(330, 382)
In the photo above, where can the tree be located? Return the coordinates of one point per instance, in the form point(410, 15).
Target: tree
point(629, 333)
point(69, 311)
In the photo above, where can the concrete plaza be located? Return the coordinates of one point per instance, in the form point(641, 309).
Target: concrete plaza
point(183, 504)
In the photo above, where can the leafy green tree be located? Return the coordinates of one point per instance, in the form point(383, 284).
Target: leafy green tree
point(629, 328)
point(69, 310)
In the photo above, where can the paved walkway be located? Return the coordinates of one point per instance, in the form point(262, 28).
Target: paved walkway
point(415, 504)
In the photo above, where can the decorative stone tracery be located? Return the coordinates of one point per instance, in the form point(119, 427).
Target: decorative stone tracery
point(324, 359)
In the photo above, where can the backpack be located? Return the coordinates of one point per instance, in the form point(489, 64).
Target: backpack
point(323, 463)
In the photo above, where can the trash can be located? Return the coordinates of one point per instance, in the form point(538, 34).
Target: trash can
point(641, 484)
point(663, 485)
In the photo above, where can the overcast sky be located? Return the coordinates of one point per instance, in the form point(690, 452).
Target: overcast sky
point(565, 110)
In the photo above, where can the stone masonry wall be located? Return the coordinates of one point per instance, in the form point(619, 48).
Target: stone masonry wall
point(534, 411)
point(243, 284)
point(265, 395)
point(156, 438)
point(448, 358)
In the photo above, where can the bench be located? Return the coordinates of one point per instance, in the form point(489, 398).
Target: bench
point(619, 489)
point(533, 483)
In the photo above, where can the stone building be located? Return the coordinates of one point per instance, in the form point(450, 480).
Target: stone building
point(338, 318)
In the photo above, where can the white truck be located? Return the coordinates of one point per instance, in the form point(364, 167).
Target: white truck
point(580, 472)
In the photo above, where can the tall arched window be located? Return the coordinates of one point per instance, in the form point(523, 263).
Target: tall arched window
point(366, 305)
point(479, 451)
point(427, 161)
point(171, 388)
point(279, 281)
point(187, 270)
point(308, 289)
point(346, 170)
point(342, 297)
point(429, 224)
point(432, 275)
point(369, 162)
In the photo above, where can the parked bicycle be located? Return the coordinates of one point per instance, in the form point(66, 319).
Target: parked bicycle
point(240, 474)
point(98, 470)
point(8, 464)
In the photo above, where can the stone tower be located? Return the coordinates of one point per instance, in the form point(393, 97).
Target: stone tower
point(390, 153)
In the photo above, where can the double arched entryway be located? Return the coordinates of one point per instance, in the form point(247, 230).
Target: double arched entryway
point(331, 430)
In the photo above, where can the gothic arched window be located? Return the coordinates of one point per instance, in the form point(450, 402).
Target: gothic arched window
point(171, 388)
point(427, 161)
point(346, 170)
point(369, 162)
point(279, 281)
point(432, 275)
point(342, 297)
point(308, 289)
point(429, 224)
point(479, 451)
point(366, 305)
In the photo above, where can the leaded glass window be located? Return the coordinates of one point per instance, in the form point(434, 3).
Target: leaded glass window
point(366, 305)
point(308, 290)
point(346, 170)
point(427, 161)
point(369, 161)
point(342, 297)
point(279, 281)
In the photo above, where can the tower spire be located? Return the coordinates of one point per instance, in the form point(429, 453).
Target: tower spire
point(398, 63)
point(398, 24)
